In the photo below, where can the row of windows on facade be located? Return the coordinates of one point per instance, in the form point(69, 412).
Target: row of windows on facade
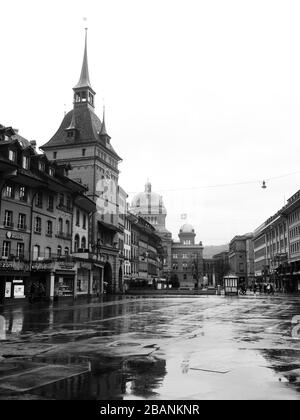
point(184, 266)
point(21, 193)
point(294, 216)
point(12, 156)
point(294, 232)
point(184, 256)
point(277, 247)
point(8, 223)
point(8, 251)
point(295, 247)
point(20, 250)
point(276, 232)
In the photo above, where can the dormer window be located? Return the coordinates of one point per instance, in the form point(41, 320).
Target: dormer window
point(25, 162)
point(42, 166)
point(70, 133)
point(12, 155)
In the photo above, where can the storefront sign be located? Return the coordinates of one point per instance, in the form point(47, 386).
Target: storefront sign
point(6, 265)
point(16, 236)
point(40, 266)
point(15, 265)
point(8, 289)
point(66, 266)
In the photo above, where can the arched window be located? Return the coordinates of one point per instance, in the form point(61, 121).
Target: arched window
point(67, 251)
point(76, 243)
point(83, 243)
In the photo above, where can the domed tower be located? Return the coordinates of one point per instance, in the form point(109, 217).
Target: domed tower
point(187, 235)
point(187, 259)
point(150, 206)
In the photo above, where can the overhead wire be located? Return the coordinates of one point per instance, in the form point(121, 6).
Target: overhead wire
point(222, 185)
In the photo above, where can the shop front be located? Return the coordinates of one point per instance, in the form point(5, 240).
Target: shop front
point(83, 278)
point(40, 278)
point(64, 280)
point(14, 280)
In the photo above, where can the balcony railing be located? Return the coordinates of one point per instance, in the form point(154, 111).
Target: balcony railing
point(22, 227)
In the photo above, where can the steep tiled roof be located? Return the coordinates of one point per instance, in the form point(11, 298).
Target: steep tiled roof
point(88, 126)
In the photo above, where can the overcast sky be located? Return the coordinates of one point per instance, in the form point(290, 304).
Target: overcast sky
point(198, 94)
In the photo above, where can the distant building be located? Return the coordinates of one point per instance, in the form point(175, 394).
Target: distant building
point(241, 258)
point(187, 259)
point(149, 205)
point(146, 252)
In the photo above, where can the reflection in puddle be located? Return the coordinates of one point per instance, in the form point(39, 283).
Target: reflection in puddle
point(109, 378)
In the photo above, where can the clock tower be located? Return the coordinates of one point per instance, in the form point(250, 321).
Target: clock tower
point(82, 141)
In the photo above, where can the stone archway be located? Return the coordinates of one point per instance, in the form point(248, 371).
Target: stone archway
point(107, 286)
point(121, 279)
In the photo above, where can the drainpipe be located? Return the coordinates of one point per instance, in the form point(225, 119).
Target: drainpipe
point(31, 228)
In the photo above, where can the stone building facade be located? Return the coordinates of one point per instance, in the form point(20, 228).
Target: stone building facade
point(277, 248)
point(241, 258)
point(37, 205)
point(187, 259)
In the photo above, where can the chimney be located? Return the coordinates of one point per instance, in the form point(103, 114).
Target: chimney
point(33, 144)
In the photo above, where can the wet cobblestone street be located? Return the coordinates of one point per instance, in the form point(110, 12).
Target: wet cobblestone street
point(204, 347)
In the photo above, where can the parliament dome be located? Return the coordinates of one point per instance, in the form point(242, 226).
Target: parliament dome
point(187, 228)
point(148, 202)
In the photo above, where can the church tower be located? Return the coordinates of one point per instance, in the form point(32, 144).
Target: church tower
point(83, 142)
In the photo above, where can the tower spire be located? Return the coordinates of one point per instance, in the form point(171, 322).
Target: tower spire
point(103, 131)
point(84, 80)
point(83, 90)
